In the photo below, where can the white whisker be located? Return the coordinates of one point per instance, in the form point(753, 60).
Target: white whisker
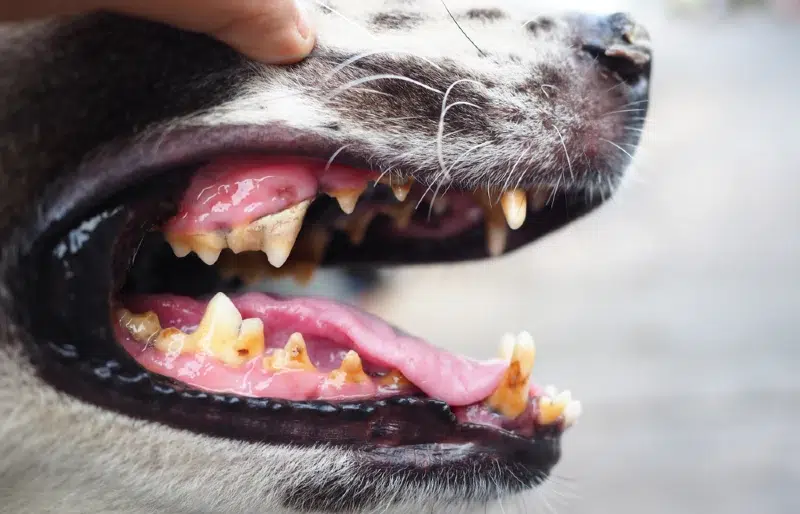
point(569, 162)
point(372, 78)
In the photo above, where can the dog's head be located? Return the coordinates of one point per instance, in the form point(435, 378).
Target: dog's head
point(447, 132)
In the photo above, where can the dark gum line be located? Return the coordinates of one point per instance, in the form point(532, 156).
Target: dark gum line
point(112, 379)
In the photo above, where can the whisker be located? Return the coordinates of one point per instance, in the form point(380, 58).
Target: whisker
point(364, 80)
point(445, 108)
point(566, 152)
point(345, 18)
point(483, 54)
point(335, 154)
point(617, 146)
point(358, 57)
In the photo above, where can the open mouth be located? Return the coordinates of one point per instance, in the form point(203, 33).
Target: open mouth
point(155, 301)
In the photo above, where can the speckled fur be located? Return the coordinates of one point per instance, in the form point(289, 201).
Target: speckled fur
point(530, 101)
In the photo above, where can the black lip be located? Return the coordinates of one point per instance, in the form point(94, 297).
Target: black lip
point(64, 294)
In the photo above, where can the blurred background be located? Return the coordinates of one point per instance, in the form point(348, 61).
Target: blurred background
point(673, 312)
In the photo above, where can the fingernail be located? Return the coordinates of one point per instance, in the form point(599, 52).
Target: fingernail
point(303, 23)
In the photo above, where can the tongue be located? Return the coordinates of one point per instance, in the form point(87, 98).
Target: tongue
point(455, 379)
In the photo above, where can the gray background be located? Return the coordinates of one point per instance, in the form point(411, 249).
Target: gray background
point(672, 314)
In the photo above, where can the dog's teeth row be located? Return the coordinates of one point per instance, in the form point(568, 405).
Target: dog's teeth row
point(223, 335)
point(275, 234)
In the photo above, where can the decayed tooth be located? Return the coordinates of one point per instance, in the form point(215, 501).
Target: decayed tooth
point(173, 342)
point(538, 197)
point(401, 190)
point(293, 356)
point(394, 379)
point(219, 328)
point(552, 408)
point(350, 371)
point(248, 344)
point(348, 198)
point(515, 208)
point(511, 396)
point(143, 327)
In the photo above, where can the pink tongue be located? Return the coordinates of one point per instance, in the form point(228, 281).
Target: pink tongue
point(455, 379)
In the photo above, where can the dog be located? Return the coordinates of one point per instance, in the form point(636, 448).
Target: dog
point(507, 121)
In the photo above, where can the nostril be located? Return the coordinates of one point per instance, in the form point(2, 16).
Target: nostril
point(619, 44)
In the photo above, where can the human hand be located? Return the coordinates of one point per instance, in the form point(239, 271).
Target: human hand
point(270, 31)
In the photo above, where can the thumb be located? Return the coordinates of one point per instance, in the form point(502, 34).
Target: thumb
point(270, 31)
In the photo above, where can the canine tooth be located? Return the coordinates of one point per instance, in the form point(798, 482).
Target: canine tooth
point(401, 190)
point(515, 208)
point(511, 396)
point(572, 412)
point(507, 344)
point(350, 370)
point(538, 197)
point(143, 327)
point(394, 379)
point(348, 198)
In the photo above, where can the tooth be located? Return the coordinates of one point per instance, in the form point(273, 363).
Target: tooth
point(401, 190)
point(350, 370)
point(394, 379)
point(206, 245)
point(179, 246)
point(538, 197)
point(511, 396)
point(297, 352)
point(356, 227)
point(439, 206)
point(219, 327)
point(348, 198)
point(515, 208)
point(507, 344)
point(293, 356)
point(551, 408)
point(401, 213)
point(173, 342)
point(280, 232)
point(248, 344)
point(496, 227)
point(572, 412)
point(143, 327)
point(551, 391)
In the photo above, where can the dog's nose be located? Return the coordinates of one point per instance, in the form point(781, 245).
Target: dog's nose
point(618, 43)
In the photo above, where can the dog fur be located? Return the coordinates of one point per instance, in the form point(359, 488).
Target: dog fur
point(393, 82)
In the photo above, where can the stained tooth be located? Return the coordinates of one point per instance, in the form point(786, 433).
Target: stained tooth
point(401, 213)
point(348, 198)
point(208, 256)
point(511, 396)
point(356, 226)
point(394, 379)
point(143, 327)
point(247, 345)
point(572, 412)
point(350, 370)
point(549, 411)
point(515, 208)
point(401, 190)
point(280, 232)
point(538, 197)
point(293, 356)
point(207, 245)
point(297, 352)
point(218, 328)
point(173, 342)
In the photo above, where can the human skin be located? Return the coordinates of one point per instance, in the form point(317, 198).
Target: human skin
point(270, 31)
